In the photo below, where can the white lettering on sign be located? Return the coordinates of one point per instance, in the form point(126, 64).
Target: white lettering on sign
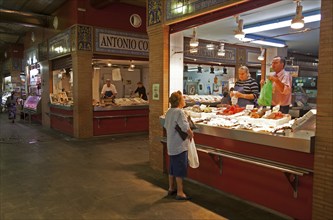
point(110, 41)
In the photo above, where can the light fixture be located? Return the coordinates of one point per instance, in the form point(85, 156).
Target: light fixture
point(212, 70)
point(194, 42)
point(239, 34)
point(256, 39)
point(221, 51)
point(199, 69)
point(109, 64)
point(309, 17)
point(131, 66)
point(297, 22)
point(261, 57)
point(210, 46)
point(194, 50)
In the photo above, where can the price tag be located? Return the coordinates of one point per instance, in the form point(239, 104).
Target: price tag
point(249, 107)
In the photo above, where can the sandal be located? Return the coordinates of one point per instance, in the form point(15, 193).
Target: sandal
point(183, 198)
point(172, 192)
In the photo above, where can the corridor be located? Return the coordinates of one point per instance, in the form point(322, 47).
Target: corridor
point(47, 175)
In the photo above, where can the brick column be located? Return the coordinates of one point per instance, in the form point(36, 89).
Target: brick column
point(158, 74)
point(46, 74)
point(323, 164)
point(82, 94)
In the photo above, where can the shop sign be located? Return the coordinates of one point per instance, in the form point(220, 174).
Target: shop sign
point(59, 45)
point(121, 43)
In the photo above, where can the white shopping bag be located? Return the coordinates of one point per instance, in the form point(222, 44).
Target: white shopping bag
point(193, 159)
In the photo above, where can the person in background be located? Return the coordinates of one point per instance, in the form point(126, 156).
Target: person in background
point(142, 91)
point(246, 89)
point(282, 83)
point(11, 106)
point(226, 99)
point(109, 90)
point(176, 146)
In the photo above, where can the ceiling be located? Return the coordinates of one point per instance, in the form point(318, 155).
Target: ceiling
point(19, 17)
point(297, 41)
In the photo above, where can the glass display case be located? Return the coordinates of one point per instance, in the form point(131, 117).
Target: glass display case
point(32, 103)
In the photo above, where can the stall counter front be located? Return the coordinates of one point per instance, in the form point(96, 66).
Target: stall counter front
point(112, 120)
point(61, 117)
point(271, 170)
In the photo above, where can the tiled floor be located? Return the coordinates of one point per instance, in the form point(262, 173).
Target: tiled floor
point(47, 175)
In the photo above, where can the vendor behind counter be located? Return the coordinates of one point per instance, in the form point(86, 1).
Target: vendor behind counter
point(109, 90)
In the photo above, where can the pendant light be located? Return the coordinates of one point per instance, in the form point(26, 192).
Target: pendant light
point(239, 34)
point(261, 57)
point(194, 40)
point(298, 21)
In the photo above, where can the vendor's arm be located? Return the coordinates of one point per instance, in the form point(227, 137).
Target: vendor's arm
point(245, 96)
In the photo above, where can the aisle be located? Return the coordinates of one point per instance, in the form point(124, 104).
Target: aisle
point(47, 175)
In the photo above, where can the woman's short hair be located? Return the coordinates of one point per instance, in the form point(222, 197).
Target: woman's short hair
point(175, 98)
point(246, 70)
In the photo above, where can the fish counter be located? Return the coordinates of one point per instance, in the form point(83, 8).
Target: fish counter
point(272, 168)
point(109, 120)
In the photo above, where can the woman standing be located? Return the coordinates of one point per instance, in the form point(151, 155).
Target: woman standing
point(246, 89)
point(177, 147)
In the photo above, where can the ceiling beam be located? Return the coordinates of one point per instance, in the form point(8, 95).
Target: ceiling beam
point(102, 3)
point(25, 18)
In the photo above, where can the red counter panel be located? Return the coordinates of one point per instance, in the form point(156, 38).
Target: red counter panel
point(264, 186)
point(121, 121)
point(62, 120)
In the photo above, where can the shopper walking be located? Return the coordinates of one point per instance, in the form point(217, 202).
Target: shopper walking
point(11, 107)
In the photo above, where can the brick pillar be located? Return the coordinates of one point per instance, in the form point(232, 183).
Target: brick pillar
point(82, 94)
point(46, 73)
point(323, 163)
point(158, 74)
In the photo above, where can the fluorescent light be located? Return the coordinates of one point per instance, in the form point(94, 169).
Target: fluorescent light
point(309, 17)
point(256, 39)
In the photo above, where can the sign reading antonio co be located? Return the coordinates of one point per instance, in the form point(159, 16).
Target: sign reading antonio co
point(121, 43)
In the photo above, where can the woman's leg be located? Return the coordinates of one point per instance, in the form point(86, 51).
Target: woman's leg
point(180, 190)
point(171, 183)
